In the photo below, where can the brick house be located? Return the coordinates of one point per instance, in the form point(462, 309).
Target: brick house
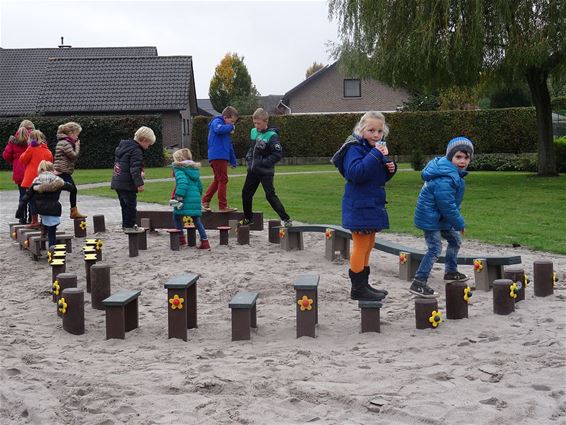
point(100, 81)
point(329, 90)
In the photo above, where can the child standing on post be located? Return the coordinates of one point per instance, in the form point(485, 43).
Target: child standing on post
point(66, 154)
point(265, 151)
point(127, 176)
point(362, 161)
point(438, 213)
point(220, 152)
point(188, 190)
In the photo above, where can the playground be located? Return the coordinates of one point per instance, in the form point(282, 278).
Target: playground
point(484, 369)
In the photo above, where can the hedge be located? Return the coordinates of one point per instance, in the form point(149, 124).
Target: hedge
point(511, 130)
point(99, 137)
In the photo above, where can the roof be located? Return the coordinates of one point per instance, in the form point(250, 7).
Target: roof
point(116, 84)
point(207, 108)
point(303, 83)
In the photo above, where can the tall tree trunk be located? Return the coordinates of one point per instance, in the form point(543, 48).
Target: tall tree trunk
point(537, 79)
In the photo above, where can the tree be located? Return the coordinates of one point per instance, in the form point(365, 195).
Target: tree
point(313, 68)
point(430, 45)
point(231, 84)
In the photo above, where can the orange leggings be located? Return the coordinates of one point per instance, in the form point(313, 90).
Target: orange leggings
point(361, 249)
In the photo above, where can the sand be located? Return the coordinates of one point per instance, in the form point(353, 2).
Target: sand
point(486, 369)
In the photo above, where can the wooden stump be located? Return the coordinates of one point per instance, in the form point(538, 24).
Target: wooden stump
point(80, 227)
point(142, 239)
point(224, 234)
point(191, 236)
point(57, 266)
point(174, 235)
point(72, 308)
point(503, 299)
point(273, 231)
point(518, 276)
point(335, 243)
point(407, 266)
point(244, 235)
point(63, 281)
point(543, 278)
point(99, 284)
point(133, 241)
point(424, 308)
point(146, 224)
point(98, 223)
point(370, 315)
point(182, 305)
point(456, 302)
point(233, 224)
point(306, 302)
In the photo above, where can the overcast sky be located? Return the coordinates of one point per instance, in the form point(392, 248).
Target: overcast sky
point(279, 40)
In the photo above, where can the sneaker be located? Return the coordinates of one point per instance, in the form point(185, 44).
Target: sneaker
point(227, 209)
point(421, 289)
point(288, 222)
point(245, 222)
point(136, 228)
point(205, 206)
point(455, 277)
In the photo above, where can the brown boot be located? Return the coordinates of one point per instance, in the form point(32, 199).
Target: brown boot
point(76, 214)
point(204, 244)
point(35, 224)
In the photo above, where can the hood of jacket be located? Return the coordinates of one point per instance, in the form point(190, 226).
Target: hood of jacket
point(440, 167)
point(125, 147)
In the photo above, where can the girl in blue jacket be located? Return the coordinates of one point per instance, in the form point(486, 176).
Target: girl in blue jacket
point(438, 213)
point(362, 161)
point(188, 190)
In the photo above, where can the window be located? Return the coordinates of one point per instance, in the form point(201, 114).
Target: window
point(352, 88)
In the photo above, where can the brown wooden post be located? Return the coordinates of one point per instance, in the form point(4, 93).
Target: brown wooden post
point(426, 313)
point(481, 274)
point(517, 275)
point(457, 296)
point(244, 315)
point(290, 240)
point(408, 266)
point(233, 224)
point(71, 306)
point(503, 296)
point(93, 246)
point(63, 281)
point(273, 230)
point(98, 223)
point(99, 284)
point(243, 235)
point(543, 275)
point(224, 234)
point(57, 266)
point(182, 304)
point(370, 315)
point(133, 241)
point(80, 227)
point(142, 240)
point(90, 260)
point(145, 223)
point(191, 236)
point(174, 239)
point(306, 302)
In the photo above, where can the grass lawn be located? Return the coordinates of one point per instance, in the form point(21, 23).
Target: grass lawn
point(499, 207)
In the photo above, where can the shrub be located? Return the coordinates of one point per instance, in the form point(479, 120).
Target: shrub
point(504, 162)
point(560, 146)
point(417, 160)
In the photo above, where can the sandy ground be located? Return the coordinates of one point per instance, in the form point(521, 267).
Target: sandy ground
point(486, 369)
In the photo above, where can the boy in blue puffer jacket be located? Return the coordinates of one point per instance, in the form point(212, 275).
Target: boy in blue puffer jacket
point(438, 213)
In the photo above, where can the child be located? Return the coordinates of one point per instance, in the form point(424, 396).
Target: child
point(127, 176)
point(66, 154)
point(45, 190)
point(36, 152)
point(438, 213)
point(265, 151)
point(188, 190)
point(16, 146)
point(220, 152)
point(361, 160)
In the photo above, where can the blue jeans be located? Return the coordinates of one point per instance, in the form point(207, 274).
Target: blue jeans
point(196, 220)
point(129, 203)
point(433, 239)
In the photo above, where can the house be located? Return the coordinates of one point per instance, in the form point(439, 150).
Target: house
point(329, 90)
point(206, 109)
point(100, 81)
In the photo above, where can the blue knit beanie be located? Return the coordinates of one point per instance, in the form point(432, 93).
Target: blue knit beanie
point(462, 144)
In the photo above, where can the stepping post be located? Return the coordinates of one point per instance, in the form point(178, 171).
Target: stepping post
point(57, 266)
point(142, 239)
point(90, 260)
point(71, 306)
point(335, 242)
point(517, 275)
point(99, 284)
point(233, 224)
point(290, 240)
point(244, 315)
point(63, 281)
point(243, 235)
point(224, 234)
point(98, 223)
point(182, 304)
point(94, 247)
point(370, 315)
point(80, 227)
point(191, 235)
point(133, 241)
point(121, 313)
point(146, 224)
point(273, 230)
point(457, 297)
point(408, 266)
point(543, 276)
point(174, 235)
point(504, 294)
point(427, 314)
point(306, 302)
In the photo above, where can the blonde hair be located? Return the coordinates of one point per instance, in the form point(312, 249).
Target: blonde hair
point(45, 166)
point(145, 133)
point(230, 112)
point(184, 154)
point(22, 135)
point(37, 135)
point(260, 114)
point(363, 123)
point(27, 124)
point(69, 127)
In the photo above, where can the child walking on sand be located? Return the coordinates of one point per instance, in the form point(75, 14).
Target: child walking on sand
point(362, 161)
point(188, 192)
point(66, 154)
point(438, 213)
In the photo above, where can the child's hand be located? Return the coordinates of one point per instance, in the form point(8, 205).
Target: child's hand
point(142, 174)
point(141, 188)
point(382, 149)
point(390, 166)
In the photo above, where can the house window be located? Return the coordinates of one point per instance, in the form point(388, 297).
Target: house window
point(352, 88)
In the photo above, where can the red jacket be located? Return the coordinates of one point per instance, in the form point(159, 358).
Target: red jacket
point(31, 159)
point(11, 154)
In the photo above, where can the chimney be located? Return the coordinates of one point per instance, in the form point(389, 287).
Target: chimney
point(63, 46)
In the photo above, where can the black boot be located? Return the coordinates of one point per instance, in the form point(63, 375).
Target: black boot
point(371, 288)
point(360, 290)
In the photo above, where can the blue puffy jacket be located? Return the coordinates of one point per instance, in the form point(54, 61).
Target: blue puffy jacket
point(363, 203)
point(438, 204)
point(220, 142)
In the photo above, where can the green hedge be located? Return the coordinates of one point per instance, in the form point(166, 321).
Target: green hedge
point(99, 137)
point(560, 145)
point(511, 130)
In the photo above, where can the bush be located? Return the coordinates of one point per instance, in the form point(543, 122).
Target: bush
point(504, 162)
point(560, 146)
point(417, 160)
point(99, 137)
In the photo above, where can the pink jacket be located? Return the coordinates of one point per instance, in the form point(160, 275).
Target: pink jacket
point(12, 154)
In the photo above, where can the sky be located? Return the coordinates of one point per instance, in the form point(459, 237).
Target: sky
point(279, 40)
